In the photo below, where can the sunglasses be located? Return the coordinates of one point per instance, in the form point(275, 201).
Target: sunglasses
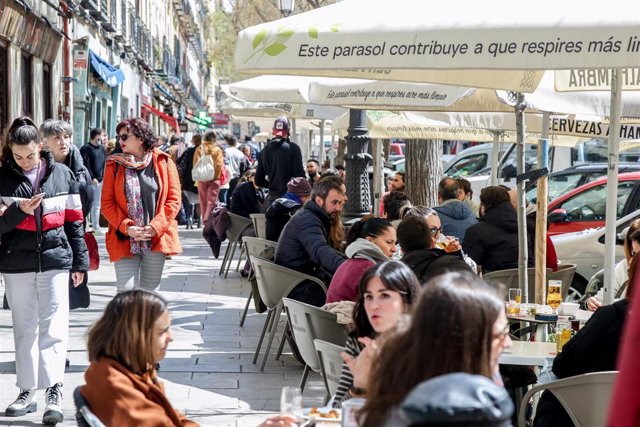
point(124, 136)
point(435, 231)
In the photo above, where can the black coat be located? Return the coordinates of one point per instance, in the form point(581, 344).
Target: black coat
point(246, 200)
point(56, 241)
point(427, 263)
point(303, 243)
point(83, 178)
point(185, 166)
point(493, 242)
point(278, 215)
point(593, 349)
point(280, 160)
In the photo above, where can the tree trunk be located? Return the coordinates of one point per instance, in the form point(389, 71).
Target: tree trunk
point(423, 169)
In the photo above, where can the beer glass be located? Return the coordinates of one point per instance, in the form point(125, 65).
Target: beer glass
point(515, 298)
point(554, 295)
point(291, 402)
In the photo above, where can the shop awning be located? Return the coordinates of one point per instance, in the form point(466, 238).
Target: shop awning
point(107, 72)
point(172, 121)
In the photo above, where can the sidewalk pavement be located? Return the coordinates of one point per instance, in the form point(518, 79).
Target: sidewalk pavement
point(208, 371)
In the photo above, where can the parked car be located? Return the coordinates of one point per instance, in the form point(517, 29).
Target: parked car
point(585, 207)
point(573, 177)
point(474, 163)
point(586, 249)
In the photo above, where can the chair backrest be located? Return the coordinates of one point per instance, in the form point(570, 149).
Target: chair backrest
point(324, 325)
point(330, 363)
point(84, 416)
point(256, 245)
point(237, 224)
point(565, 274)
point(260, 224)
point(585, 397)
point(509, 278)
point(302, 333)
point(275, 281)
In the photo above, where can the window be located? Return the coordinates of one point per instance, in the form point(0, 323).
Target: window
point(47, 108)
point(558, 185)
point(27, 87)
point(590, 205)
point(467, 165)
point(4, 88)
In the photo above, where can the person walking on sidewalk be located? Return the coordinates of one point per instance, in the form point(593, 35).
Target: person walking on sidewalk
point(42, 241)
point(208, 191)
point(143, 230)
point(94, 155)
point(278, 162)
point(124, 345)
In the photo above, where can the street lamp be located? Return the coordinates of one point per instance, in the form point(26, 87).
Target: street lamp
point(286, 6)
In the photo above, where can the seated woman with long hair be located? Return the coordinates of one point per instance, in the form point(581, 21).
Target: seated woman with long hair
point(458, 325)
point(122, 386)
point(369, 241)
point(385, 292)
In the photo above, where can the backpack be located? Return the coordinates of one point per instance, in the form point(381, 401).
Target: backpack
point(203, 170)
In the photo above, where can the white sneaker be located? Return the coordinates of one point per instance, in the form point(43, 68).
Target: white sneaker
point(53, 399)
point(23, 405)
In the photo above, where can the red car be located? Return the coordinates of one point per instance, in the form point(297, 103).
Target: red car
point(585, 207)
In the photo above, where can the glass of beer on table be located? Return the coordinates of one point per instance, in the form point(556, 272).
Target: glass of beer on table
point(554, 295)
point(515, 298)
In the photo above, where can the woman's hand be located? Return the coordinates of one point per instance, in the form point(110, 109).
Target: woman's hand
point(149, 232)
point(30, 205)
point(453, 245)
point(593, 304)
point(77, 277)
point(3, 209)
point(360, 366)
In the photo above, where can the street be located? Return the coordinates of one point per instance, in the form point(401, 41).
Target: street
point(208, 371)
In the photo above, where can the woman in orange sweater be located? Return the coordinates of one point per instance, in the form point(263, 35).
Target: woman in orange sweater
point(122, 387)
point(141, 197)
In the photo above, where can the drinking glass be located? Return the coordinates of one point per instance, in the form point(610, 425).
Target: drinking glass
point(291, 402)
point(554, 295)
point(515, 298)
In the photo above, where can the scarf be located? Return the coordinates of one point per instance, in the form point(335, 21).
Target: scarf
point(135, 208)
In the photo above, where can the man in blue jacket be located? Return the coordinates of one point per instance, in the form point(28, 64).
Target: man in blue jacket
point(455, 215)
point(303, 244)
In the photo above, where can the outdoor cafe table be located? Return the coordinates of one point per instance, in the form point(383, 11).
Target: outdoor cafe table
point(529, 353)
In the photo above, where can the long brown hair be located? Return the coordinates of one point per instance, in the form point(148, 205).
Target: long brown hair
point(451, 331)
point(635, 225)
point(125, 330)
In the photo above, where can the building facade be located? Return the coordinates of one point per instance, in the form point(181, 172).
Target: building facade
point(96, 62)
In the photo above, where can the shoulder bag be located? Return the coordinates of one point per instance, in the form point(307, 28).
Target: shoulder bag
point(203, 170)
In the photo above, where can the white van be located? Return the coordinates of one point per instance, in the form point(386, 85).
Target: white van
point(474, 163)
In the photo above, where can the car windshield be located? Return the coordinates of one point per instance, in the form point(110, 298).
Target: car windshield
point(467, 165)
point(558, 185)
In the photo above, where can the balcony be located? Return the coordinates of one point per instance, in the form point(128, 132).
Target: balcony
point(121, 33)
point(91, 5)
point(131, 42)
point(101, 14)
point(111, 24)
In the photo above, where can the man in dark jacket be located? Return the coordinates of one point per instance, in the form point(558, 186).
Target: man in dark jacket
point(454, 214)
point(282, 209)
point(247, 197)
point(94, 157)
point(493, 242)
point(420, 254)
point(304, 246)
point(278, 162)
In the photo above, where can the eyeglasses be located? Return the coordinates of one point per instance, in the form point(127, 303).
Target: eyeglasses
point(501, 336)
point(435, 231)
point(124, 136)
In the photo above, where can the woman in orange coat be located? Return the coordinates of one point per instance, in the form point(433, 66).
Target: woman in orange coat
point(122, 387)
point(141, 197)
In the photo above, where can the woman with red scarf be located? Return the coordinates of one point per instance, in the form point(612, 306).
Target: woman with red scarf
point(141, 197)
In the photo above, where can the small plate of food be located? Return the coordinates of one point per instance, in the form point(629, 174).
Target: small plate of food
point(326, 413)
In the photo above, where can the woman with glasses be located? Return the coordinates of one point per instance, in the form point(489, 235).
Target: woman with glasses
point(141, 197)
point(458, 325)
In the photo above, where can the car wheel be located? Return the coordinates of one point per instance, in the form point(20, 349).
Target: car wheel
point(577, 289)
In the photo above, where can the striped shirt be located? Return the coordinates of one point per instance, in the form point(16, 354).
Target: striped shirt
point(353, 349)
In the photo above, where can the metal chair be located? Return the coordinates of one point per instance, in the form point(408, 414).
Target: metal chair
point(237, 224)
point(509, 278)
point(84, 416)
point(254, 246)
point(259, 224)
point(585, 398)
point(565, 274)
point(275, 282)
point(330, 364)
point(309, 323)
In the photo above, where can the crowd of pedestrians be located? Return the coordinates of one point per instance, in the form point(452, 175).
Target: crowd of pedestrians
point(411, 274)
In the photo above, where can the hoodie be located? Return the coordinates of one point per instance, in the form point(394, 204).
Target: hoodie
point(456, 217)
point(493, 242)
point(428, 263)
point(278, 162)
point(362, 255)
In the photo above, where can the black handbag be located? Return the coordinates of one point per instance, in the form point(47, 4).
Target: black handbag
point(79, 296)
